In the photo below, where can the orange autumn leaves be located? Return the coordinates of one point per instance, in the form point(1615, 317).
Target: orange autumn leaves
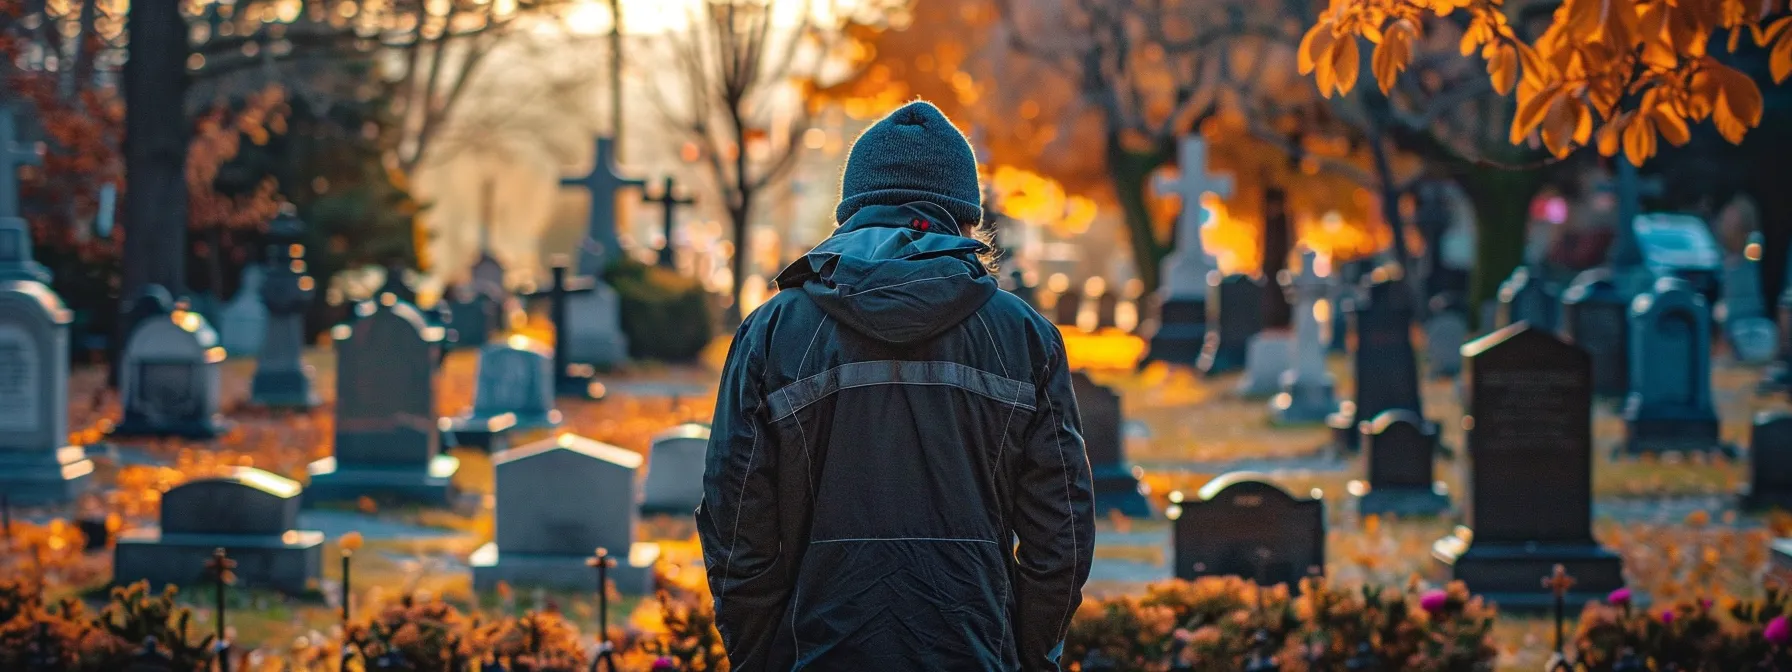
point(1621, 75)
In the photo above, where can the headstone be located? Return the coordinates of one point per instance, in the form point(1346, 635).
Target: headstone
point(1524, 296)
point(1778, 376)
point(675, 470)
point(1117, 487)
point(1182, 311)
point(1107, 303)
point(281, 378)
point(1596, 317)
point(1670, 407)
point(1386, 368)
point(1752, 335)
point(244, 323)
point(1446, 329)
point(515, 390)
point(594, 327)
point(1770, 462)
point(475, 316)
point(169, 383)
point(1234, 315)
point(12, 157)
point(1068, 308)
point(388, 446)
point(571, 377)
point(16, 262)
point(1401, 448)
point(1529, 507)
point(1242, 525)
point(1306, 394)
point(250, 513)
point(1343, 303)
point(37, 466)
point(558, 500)
point(600, 243)
point(1678, 246)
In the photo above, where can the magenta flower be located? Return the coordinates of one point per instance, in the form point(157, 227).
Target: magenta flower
point(1778, 632)
point(1667, 617)
point(1619, 598)
point(1433, 601)
point(664, 664)
point(1705, 603)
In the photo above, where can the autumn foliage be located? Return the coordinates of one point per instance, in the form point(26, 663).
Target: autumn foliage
point(1617, 74)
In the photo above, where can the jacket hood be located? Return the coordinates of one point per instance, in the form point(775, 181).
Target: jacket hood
point(898, 274)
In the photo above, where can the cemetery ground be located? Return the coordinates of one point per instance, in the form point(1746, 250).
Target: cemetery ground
point(1673, 519)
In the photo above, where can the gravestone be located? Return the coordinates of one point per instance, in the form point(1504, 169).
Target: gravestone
point(250, 513)
point(16, 261)
point(1529, 506)
point(281, 378)
point(1596, 317)
point(1387, 370)
point(571, 378)
point(1268, 353)
point(1401, 448)
point(1752, 334)
point(1067, 308)
point(1234, 315)
point(514, 391)
point(475, 316)
point(1107, 304)
point(1524, 296)
point(388, 446)
point(1117, 487)
point(1770, 462)
point(669, 201)
point(170, 375)
point(1670, 407)
point(1678, 246)
point(675, 470)
point(1181, 331)
point(594, 327)
point(1343, 303)
point(1306, 386)
point(37, 466)
point(1778, 376)
point(558, 500)
point(1446, 329)
point(1242, 525)
point(244, 324)
point(600, 243)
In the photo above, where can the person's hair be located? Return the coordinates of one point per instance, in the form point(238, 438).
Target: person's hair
point(985, 232)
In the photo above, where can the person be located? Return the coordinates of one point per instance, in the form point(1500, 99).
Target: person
point(896, 478)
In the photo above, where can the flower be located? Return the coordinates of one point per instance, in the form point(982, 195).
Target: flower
point(1619, 598)
point(1667, 617)
point(1433, 601)
point(664, 664)
point(1778, 632)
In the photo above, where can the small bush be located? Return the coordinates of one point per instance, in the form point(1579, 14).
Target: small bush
point(666, 316)
point(1693, 635)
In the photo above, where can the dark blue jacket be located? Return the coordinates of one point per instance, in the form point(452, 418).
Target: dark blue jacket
point(896, 478)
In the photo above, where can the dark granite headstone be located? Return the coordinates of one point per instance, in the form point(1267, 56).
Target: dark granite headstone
point(1181, 332)
point(1770, 462)
point(1387, 370)
point(281, 378)
point(1529, 427)
point(1596, 317)
point(1235, 313)
point(1778, 376)
point(1065, 311)
point(1401, 447)
point(475, 316)
point(1670, 406)
point(1242, 525)
point(249, 513)
point(1525, 297)
point(1116, 487)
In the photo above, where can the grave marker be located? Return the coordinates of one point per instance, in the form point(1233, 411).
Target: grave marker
point(675, 470)
point(1529, 427)
point(601, 243)
point(1401, 448)
point(1235, 314)
point(514, 391)
point(1240, 524)
point(1386, 367)
point(243, 326)
point(37, 466)
point(1445, 332)
point(1525, 297)
point(250, 513)
point(669, 201)
point(1670, 407)
point(1306, 394)
point(1182, 299)
point(557, 500)
point(1117, 487)
point(282, 380)
point(1596, 317)
point(1770, 462)
point(169, 383)
point(1752, 335)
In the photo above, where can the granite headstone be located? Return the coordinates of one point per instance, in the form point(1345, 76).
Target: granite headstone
point(1117, 488)
point(1401, 448)
point(675, 470)
point(1596, 317)
point(1670, 406)
point(37, 466)
point(170, 376)
point(1242, 525)
point(1770, 462)
point(1234, 315)
point(250, 513)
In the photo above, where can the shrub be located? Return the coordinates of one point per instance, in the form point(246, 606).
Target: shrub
point(1693, 635)
point(666, 316)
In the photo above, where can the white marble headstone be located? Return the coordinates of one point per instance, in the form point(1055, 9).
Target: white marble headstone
point(1185, 270)
point(244, 324)
point(675, 470)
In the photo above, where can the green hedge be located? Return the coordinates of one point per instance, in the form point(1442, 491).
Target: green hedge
point(666, 316)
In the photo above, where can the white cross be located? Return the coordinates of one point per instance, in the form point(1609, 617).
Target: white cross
point(1191, 185)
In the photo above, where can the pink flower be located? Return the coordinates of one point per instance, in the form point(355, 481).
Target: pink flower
point(1705, 603)
point(664, 664)
point(1667, 617)
point(1433, 601)
point(1619, 598)
point(1778, 632)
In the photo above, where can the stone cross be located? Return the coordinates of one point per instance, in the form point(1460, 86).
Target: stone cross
point(566, 381)
point(602, 183)
point(668, 201)
point(1630, 189)
point(12, 156)
point(1185, 271)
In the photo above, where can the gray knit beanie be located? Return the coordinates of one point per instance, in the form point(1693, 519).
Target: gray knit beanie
point(914, 154)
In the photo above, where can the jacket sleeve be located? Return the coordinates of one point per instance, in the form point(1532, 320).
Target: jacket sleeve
point(1053, 516)
point(737, 522)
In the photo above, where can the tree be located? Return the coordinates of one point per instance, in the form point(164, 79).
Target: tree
point(1617, 74)
point(741, 79)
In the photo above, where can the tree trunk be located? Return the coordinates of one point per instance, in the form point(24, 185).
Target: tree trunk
point(1502, 201)
point(1130, 173)
point(738, 215)
point(1277, 243)
point(1390, 196)
point(155, 148)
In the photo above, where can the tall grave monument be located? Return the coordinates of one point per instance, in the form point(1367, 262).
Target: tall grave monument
point(1670, 406)
point(1117, 488)
point(669, 201)
point(37, 466)
point(592, 334)
point(244, 321)
point(1387, 372)
point(1234, 316)
point(1269, 351)
point(281, 378)
point(388, 446)
point(1306, 394)
point(1182, 311)
point(1529, 425)
point(1596, 317)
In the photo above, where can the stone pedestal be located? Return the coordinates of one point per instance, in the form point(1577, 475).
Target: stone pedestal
point(1304, 399)
point(281, 380)
point(1508, 574)
point(288, 563)
point(1181, 331)
point(41, 478)
point(396, 484)
point(564, 572)
point(1267, 356)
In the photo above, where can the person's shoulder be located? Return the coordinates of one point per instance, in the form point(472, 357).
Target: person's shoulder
point(1006, 306)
